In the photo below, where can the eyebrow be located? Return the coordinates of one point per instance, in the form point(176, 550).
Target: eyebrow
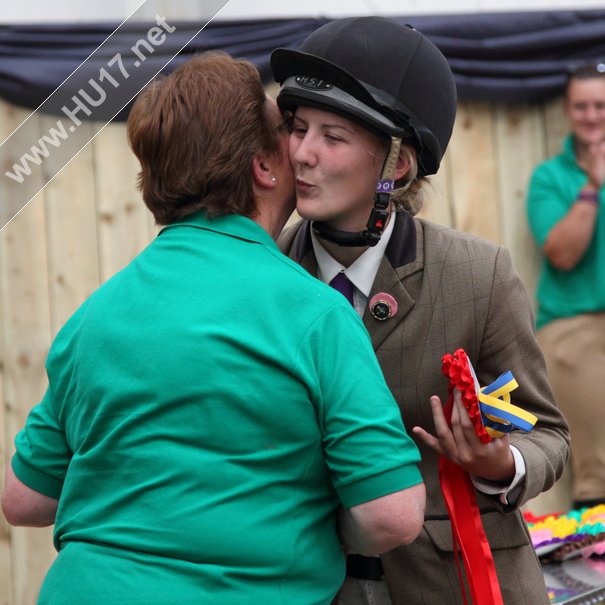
point(327, 125)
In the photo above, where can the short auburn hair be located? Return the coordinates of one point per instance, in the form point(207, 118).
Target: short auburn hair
point(195, 133)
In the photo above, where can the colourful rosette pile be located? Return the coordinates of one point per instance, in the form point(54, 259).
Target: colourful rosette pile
point(562, 536)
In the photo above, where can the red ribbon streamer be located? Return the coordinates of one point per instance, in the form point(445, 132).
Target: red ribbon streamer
point(467, 528)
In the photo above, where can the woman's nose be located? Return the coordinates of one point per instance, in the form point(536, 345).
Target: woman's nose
point(304, 150)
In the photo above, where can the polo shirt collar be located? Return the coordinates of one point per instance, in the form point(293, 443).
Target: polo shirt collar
point(233, 225)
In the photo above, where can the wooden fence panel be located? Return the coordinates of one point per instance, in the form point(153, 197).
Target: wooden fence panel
point(555, 126)
point(6, 583)
point(90, 222)
point(473, 181)
point(438, 204)
point(520, 148)
point(25, 342)
point(71, 226)
point(124, 223)
point(6, 447)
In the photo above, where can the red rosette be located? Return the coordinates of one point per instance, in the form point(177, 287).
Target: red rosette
point(456, 368)
point(468, 535)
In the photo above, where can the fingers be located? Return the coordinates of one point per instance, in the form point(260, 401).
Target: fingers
point(461, 444)
point(441, 428)
point(444, 434)
point(463, 431)
point(427, 439)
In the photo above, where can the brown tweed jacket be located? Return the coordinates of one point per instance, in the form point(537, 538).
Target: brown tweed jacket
point(455, 290)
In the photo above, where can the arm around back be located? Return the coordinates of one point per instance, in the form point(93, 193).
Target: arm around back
point(24, 506)
point(379, 525)
point(372, 460)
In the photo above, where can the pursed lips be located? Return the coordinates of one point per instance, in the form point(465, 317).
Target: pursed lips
point(304, 185)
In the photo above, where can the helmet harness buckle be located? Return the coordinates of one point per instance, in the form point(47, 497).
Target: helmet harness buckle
point(384, 188)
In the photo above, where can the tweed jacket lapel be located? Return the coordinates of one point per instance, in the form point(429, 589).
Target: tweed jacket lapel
point(300, 247)
point(403, 257)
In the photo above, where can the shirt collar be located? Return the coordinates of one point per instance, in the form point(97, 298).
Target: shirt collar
point(233, 225)
point(363, 271)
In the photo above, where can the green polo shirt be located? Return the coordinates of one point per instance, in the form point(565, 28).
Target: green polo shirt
point(553, 189)
point(208, 410)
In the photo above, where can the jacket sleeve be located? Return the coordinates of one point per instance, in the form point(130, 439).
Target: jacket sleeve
point(509, 343)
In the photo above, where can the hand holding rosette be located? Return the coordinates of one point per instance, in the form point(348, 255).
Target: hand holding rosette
point(489, 407)
point(474, 442)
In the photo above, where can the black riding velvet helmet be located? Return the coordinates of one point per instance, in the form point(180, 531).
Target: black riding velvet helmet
point(375, 71)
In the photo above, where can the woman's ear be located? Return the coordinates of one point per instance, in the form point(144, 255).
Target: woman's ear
point(404, 161)
point(262, 171)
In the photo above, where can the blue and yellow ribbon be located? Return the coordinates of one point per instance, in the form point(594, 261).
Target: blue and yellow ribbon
point(499, 415)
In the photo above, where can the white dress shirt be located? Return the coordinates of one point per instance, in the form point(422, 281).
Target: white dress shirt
point(361, 273)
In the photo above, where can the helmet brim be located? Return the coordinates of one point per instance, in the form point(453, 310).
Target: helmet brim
point(286, 63)
point(296, 91)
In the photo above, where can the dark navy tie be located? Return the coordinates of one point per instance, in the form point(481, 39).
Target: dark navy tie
point(342, 283)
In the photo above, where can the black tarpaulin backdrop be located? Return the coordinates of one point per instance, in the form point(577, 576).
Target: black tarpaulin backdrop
point(500, 57)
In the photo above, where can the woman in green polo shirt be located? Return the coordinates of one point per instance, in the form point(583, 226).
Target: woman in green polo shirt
point(216, 424)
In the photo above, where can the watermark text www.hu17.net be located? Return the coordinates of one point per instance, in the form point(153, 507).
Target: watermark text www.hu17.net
point(98, 89)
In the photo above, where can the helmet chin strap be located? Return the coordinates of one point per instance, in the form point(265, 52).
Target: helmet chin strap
point(380, 211)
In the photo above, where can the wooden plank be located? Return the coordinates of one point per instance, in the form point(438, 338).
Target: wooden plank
point(5, 535)
point(474, 187)
point(438, 196)
point(123, 221)
point(26, 338)
point(5, 453)
point(71, 229)
point(556, 126)
point(520, 147)
point(6, 446)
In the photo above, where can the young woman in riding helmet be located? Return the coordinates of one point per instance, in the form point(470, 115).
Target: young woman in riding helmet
point(371, 106)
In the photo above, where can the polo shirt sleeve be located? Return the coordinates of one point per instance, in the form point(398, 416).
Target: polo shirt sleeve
point(366, 447)
point(42, 454)
point(547, 204)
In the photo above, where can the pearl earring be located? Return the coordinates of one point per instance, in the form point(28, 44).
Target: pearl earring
point(273, 179)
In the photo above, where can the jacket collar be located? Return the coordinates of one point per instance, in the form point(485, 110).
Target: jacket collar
point(401, 249)
point(403, 257)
